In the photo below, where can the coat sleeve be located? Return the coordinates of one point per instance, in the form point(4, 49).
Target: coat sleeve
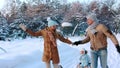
point(87, 39)
point(38, 33)
point(61, 38)
point(109, 34)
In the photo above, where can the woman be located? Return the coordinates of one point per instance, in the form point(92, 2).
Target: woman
point(50, 46)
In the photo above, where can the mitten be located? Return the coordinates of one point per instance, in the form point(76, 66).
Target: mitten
point(23, 27)
point(80, 63)
point(77, 42)
point(118, 48)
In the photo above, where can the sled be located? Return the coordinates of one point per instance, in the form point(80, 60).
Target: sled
point(78, 66)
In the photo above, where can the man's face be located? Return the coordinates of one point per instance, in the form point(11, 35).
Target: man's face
point(89, 21)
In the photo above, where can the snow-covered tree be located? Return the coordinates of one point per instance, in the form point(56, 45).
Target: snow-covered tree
point(4, 28)
point(33, 14)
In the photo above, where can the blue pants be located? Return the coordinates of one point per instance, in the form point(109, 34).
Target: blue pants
point(102, 54)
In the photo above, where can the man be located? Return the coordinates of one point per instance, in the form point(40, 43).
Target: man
point(97, 36)
point(50, 46)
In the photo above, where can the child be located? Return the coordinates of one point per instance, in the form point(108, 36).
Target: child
point(84, 59)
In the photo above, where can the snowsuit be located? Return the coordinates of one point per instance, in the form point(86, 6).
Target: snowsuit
point(84, 60)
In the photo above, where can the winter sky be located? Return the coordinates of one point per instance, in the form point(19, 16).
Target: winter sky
point(2, 2)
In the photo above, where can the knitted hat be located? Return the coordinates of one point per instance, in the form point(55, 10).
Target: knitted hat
point(51, 22)
point(92, 16)
point(83, 49)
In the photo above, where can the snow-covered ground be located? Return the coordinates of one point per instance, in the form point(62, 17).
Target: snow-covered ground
point(27, 53)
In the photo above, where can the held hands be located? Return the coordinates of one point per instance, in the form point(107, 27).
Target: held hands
point(118, 48)
point(77, 42)
point(23, 27)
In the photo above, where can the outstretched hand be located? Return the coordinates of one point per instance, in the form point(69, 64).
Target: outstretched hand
point(23, 27)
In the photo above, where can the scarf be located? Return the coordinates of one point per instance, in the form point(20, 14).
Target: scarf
point(92, 28)
point(52, 37)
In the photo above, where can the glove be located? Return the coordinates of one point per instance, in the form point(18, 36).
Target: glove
point(23, 27)
point(77, 42)
point(118, 48)
point(89, 63)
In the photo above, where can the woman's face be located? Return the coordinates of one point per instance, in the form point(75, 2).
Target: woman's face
point(53, 27)
point(89, 21)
